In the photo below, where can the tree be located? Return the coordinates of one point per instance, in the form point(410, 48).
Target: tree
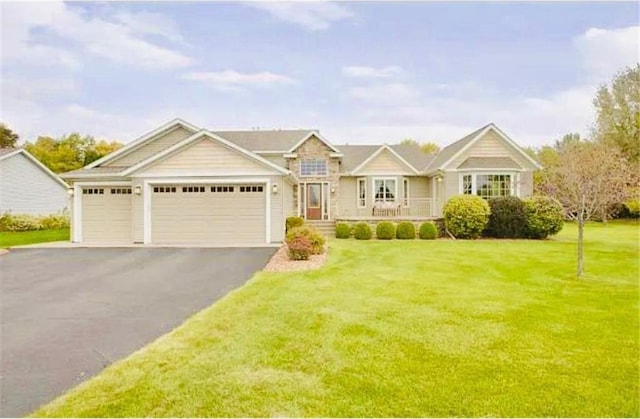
point(589, 178)
point(69, 152)
point(618, 113)
point(8, 138)
point(427, 148)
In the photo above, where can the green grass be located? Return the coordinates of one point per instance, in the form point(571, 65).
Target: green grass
point(19, 238)
point(402, 328)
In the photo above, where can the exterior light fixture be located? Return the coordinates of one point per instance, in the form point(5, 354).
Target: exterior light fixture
point(274, 188)
point(439, 179)
point(137, 190)
point(70, 191)
point(333, 188)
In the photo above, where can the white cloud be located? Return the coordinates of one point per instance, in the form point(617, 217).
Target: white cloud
point(149, 23)
point(315, 16)
point(119, 40)
point(371, 72)
point(233, 80)
point(389, 94)
point(606, 51)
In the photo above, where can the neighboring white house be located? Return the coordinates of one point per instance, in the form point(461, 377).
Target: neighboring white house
point(27, 186)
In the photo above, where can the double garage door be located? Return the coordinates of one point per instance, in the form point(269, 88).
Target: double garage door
point(180, 214)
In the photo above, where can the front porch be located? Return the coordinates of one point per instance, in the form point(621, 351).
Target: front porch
point(415, 209)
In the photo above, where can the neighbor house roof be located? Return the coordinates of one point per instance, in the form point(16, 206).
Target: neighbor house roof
point(266, 140)
point(489, 163)
point(102, 170)
point(5, 153)
point(7, 150)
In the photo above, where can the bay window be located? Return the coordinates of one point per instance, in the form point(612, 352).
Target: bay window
point(405, 193)
point(385, 190)
point(362, 192)
point(488, 185)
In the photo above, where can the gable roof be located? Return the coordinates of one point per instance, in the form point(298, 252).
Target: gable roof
point(199, 135)
point(175, 123)
point(356, 155)
point(453, 150)
point(5, 153)
point(266, 140)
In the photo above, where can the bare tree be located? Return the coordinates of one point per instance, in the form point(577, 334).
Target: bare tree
point(589, 178)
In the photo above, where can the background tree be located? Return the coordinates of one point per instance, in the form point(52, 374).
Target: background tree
point(427, 147)
point(618, 113)
point(8, 138)
point(589, 178)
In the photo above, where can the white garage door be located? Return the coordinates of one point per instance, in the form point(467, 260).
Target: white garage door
point(106, 214)
point(208, 214)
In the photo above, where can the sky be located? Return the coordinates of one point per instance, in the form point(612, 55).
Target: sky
point(360, 72)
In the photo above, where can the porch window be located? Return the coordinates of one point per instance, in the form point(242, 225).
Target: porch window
point(362, 193)
point(313, 167)
point(405, 192)
point(385, 190)
point(488, 186)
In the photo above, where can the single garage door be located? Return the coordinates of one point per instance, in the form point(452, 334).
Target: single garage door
point(106, 214)
point(208, 214)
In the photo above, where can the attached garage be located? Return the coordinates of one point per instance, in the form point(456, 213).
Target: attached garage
point(214, 214)
point(106, 214)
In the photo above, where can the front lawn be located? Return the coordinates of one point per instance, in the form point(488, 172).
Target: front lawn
point(19, 238)
point(412, 329)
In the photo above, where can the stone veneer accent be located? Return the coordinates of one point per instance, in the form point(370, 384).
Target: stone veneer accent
point(313, 148)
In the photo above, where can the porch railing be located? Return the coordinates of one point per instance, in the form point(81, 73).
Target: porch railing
point(418, 207)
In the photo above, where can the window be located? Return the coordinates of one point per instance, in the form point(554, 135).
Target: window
point(362, 193)
point(222, 189)
point(193, 189)
point(487, 186)
point(252, 188)
point(164, 189)
point(405, 193)
point(385, 190)
point(93, 191)
point(313, 167)
point(121, 191)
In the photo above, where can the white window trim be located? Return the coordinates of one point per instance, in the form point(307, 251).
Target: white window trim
point(148, 184)
point(514, 187)
point(302, 189)
point(326, 165)
point(76, 221)
point(405, 198)
point(364, 184)
point(373, 189)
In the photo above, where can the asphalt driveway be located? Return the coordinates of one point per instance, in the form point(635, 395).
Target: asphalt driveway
point(65, 314)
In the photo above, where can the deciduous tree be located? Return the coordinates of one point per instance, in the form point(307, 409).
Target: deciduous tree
point(8, 138)
point(427, 147)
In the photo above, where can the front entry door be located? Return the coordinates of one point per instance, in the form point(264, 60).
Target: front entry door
point(314, 201)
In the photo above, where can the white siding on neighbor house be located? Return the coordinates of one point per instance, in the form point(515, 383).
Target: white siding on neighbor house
point(491, 145)
point(153, 147)
point(26, 189)
point(385, 163)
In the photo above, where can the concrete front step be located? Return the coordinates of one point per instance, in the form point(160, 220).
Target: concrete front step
point(328, 228)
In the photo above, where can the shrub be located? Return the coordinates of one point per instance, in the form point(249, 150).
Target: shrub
point(55, 221)
point(316, 238)
point(406, 231)
point(544, 217)
point(299, 248)
point(466, 216)
point(343, 231)
point(633, 207)
point(362, 231)
point(428, 231)
point(293, 222)
point(385, 230)
point(508, 218)
point(26, 222)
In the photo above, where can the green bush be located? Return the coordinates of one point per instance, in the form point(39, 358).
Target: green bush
point(293, 222)
point(633, 207)
point(466, 216)
point(544, 217)
point(299, 248)
point(343, 231)
point(362, 231)
point(55, 222)
point(385, 230)
point(428, 231)
point(26, 222)
point(316, 238)
point(508, 218)
point(406, 231)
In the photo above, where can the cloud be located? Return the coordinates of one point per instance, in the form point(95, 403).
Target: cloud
point(384, 95)
point(606, 51)
point(315, 16)
point(371, 72)
point(233, 80)
point(67, 34)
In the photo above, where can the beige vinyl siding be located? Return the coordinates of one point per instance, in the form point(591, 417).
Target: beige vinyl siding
point(137, 212)
point(278, 212)
point(276, 158)
point(491, 145)
point(210, 156)
point(385, 163)
point(348, 196)
point(153, 147)
point(106, 218)
point(217, 218)
point(450, 187)
point(419, 187)
point(526, 184)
